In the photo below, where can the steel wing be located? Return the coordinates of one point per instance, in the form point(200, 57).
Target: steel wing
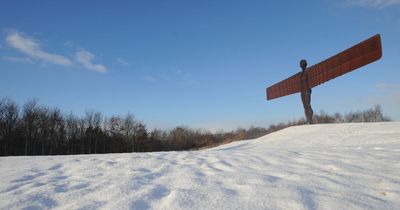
point(354, 57)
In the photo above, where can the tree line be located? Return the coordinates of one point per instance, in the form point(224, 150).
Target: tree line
point(36, 129)
point(374, 114)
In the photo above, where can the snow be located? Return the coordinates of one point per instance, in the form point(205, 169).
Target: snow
point(336, 166)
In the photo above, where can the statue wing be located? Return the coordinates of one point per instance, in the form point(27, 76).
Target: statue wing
point(351, 59)
point(359, 55)
point(285, 87)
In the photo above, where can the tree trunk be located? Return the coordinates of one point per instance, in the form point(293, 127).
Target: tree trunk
point(26, 145)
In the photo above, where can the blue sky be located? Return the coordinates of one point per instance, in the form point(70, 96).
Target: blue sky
point(204, 64)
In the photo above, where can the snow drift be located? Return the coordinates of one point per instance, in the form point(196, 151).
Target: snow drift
point(336, 166)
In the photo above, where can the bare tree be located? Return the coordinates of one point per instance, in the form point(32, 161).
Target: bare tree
point(130, 128)
point(97, 132)
point(8, 122)
point(141, 137)
point(40, 130)
point(31, 123)
point(115, 126)
point(89, 122)
point(71, 132)
point(57, 131)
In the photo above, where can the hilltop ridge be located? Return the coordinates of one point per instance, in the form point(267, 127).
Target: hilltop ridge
point(331, 166)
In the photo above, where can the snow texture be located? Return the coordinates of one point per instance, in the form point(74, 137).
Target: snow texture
point(336, 166)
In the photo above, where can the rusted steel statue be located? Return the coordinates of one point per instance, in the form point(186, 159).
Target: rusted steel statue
point(305, 92)
point(353, 58)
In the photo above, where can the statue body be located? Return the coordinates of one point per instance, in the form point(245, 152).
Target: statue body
point(305, 92)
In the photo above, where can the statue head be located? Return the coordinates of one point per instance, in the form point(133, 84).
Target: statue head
point(303, 64)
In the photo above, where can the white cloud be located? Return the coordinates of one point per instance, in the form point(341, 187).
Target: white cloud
point(70, 44)
point(32, 48)
point(85, 59)
point(373, 3)
point(17, 60)
point(150, 78)
point(122, 62)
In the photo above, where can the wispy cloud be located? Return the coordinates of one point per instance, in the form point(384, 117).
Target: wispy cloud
point(70, 44)
point(172, 75)
point(184, 77)
point(387, 86)
point(122, 62)
point(17, 60)
point(85, 58)
point(32, 48)
point(373, 3)
point(150, 78)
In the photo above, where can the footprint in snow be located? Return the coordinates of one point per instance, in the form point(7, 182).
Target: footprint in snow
point(29, 177)
point(139, 205)
point(55, 167)
point(158, 192)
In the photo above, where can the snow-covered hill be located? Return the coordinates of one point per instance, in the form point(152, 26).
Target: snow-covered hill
point(339, 166)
